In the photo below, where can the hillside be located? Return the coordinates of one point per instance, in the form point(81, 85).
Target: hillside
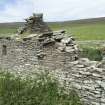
point(84, 29)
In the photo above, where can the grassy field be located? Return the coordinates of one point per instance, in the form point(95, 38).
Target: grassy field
point(88, 29)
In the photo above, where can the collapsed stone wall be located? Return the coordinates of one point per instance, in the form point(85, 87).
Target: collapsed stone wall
point(18, 54)
point(57, 53)
point(37, 49)
point(87, 78)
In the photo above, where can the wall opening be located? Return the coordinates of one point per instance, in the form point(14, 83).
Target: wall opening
point(4, 50)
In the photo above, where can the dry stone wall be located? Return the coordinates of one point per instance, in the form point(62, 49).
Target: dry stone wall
point(34, 24)
point(86, 78)
point(37, 49)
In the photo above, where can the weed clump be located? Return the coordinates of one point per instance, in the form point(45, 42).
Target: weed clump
point(92, 54)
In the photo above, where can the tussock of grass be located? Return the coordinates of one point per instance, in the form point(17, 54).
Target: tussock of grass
point(40, 91)
point(92, 53)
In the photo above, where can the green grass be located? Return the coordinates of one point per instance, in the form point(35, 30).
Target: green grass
point(89, 32)
point(92, 53)
point(93, 29)
point(43, 90)
point(7, 31)
point(83, 32)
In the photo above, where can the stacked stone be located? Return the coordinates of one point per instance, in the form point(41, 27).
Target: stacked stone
point(86, 78)
point(34, 24)
point(63, 43)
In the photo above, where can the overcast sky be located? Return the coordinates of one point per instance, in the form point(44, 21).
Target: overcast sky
point(54, 10)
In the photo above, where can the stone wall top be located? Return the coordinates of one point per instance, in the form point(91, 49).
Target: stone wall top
point(34, 24)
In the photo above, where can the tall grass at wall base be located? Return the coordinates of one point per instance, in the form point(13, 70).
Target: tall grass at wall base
point(92, 53)
point(40, 91)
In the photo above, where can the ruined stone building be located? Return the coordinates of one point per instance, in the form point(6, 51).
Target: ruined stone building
point(58, 53)
point(34, 24)
point(40, 47)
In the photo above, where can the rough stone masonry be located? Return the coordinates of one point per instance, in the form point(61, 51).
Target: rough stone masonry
point(56, 52)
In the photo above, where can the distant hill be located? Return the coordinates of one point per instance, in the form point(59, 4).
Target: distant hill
point(91, 20)
point(73, 22)
point(12, 24)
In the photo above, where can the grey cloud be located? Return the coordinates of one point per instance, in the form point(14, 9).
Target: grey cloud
point(55, 10)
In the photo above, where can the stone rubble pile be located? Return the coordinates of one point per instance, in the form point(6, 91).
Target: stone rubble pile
point(63, 42)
